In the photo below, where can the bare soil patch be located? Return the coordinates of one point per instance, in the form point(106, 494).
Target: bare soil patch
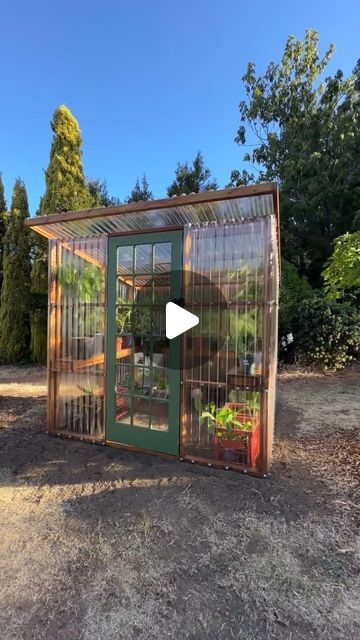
point(100, 543)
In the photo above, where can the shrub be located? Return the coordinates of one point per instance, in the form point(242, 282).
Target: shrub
point(327, 334)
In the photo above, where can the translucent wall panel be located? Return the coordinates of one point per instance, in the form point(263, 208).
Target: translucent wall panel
point(227, 356)
point(77, 336)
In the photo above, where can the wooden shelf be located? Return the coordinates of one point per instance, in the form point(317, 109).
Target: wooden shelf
point(70, 365)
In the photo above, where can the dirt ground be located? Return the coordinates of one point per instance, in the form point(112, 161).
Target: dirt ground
point(99, 543)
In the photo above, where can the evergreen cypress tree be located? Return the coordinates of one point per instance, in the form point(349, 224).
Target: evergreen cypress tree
point(15, 294)
point(2, 225)
point(65, 181)
point(66, 190)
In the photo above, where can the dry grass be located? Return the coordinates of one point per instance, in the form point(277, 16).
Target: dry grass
point(99, 543)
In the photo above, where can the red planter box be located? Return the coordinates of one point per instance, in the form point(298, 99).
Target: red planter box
point(245, 448)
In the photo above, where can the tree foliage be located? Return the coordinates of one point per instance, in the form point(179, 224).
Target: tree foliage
point(293, 290)
point(192, 179)
point(140, 191)
point(100, 195)
point(2, 225)
point(65, 181)
point(342, 274)
point(308, 136)
point(15, 293)
point(66, 190)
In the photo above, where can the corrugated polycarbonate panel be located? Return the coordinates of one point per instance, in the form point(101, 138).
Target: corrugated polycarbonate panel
point(230, 357)
point(236, 209)
point(77, 336)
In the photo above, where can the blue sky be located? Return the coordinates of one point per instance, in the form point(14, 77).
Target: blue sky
point(149, 82)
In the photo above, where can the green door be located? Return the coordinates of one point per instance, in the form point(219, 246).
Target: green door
point(143, 376)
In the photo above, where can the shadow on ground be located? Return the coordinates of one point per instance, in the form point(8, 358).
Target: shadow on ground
point(99, 542)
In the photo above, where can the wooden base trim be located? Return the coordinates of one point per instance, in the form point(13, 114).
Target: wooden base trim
point(166, 456)
point(128, 447)
point(78, 436)
point(227, 466)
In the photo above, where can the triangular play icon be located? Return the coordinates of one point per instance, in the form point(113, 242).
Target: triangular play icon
point(178, 320)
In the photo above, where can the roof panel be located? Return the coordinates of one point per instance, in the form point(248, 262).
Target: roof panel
point(238, 204)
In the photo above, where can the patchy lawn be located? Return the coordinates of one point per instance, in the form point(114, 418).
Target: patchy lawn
point(100, 543)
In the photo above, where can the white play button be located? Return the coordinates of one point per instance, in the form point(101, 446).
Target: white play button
point(178, 320)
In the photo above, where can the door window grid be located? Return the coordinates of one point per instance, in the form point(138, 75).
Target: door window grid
point(140, 325)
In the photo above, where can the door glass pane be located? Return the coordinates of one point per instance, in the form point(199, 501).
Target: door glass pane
point(122, 408)
point(160, 383)
point(125, 260)
point(159, 322)
point(125, 289)
point(124, 378)
point(142, 378)
point(159, 415)
point(162, 256)
point(143, 258)
point(143, 289)
point(141, 322)
point(162, 288)
point(141, 412)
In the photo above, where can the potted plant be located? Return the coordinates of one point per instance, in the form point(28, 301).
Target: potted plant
point(233, 431)
point(223, 424)
point(142, 323)
point(123, 316)
point(160, 388)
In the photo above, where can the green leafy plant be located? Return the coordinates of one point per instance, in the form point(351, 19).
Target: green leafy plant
point(142, 321)
point(223, 420)
point(342, 274)
point(123, 315)
point(246, 286)
point(250, 400)
point(89, 389)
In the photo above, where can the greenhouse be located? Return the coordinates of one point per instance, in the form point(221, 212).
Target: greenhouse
point(114, 378)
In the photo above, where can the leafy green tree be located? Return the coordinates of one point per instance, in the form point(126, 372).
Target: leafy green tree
point(100, 195)
point(342, 274)
point(308, 135)
point(140, 191)
point(2, 224)
point(192, 179)
point(15, 293)
point(66, 190)
point(239, 178)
